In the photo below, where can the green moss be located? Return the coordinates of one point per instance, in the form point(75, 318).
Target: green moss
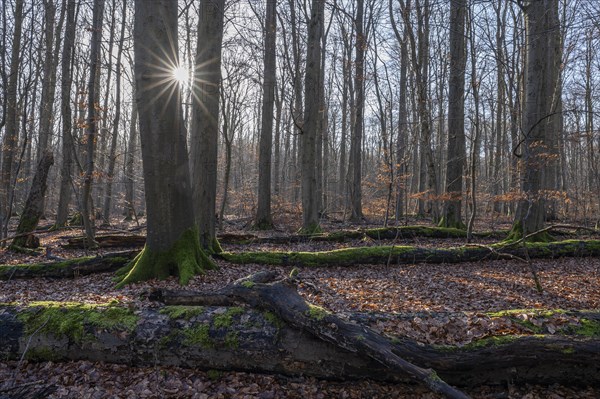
point(184, 259)
point(224, 320)
point(317, 312)
point(70, 319)
point(568, 350)
point(273, 319)
point(42, 354)
point(214, 374)
point(338, 256)
point(248, 284)
point(231, 340)
point(198, 335)
point(41, 267)
point(588, 328)
point(185, 312)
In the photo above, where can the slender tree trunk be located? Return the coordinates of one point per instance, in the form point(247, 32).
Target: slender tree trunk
point(456, 117)
point(264, 219)
point(34, 206)
point(90, 133)
point(205, 119)
point(10, 141)
point(67, 128)
point(356, 141)
point(310, 201)
point(130, 210)
point(112, 159)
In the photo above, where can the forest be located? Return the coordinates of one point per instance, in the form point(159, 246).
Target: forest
point(299, 199)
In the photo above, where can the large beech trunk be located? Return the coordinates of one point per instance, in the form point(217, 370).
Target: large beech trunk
point(283, 334)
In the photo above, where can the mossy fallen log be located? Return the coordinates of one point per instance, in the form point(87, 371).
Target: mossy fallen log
point(236, 338)
point(107, 241)
point(68, 268)
point(400, 254)
point(381, 233)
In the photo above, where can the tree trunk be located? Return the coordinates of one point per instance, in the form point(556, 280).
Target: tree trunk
point(264, 219)
point(112, 158)
point(34, 207)
point(10, 139)
point(68, 149)
point(172, 246)
point(456, 117)
point(87, 211)
point(541, 82)
point(130, 210)
point(356, 141)
point(310, 127)
point(205, 119)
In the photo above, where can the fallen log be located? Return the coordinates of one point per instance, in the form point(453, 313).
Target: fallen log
point(523, 358)
point(392, 254)
point(107, 241)
point(236, 338)
point(68, 268)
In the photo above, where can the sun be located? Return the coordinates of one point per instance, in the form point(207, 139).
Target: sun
point(180, 74)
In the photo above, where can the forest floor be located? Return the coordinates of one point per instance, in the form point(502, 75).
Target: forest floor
point(437, 304)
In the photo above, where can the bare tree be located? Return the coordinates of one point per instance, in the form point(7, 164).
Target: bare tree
point(9, 144)
point(456, 117)
point(541, 82)
point(310, 200)
point(205, 119)
point(172, 244)
point(264, 219)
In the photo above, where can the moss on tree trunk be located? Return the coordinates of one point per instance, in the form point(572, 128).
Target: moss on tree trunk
point(184, 259)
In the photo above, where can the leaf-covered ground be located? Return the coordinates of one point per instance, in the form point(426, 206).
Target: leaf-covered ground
point(452, 304)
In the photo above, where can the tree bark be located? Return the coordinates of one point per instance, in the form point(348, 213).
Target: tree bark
point(541, 81)
point(452, 216)
point(10, 139)
point(310, 127)
point(356, 141)
point(92, 121)
point(68, 148)
point(205, 119)
point(264, 219)
point(34, 206)
point(112, 158)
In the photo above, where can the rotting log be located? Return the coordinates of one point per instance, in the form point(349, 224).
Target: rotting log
point(68, 268)
point(488, 361)
point(400, 254)
point(107, 241)
point(235, 338)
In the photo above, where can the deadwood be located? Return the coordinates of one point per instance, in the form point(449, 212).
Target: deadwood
point(63, 268)
point(313, 342)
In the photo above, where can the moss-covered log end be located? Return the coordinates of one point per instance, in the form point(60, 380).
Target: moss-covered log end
point(184, 259)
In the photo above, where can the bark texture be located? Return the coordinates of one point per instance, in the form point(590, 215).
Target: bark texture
point(452, 216)
point(205, 119)
point(310, 127)
point(264, 219)
point(34, 206)
point(542, 77)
